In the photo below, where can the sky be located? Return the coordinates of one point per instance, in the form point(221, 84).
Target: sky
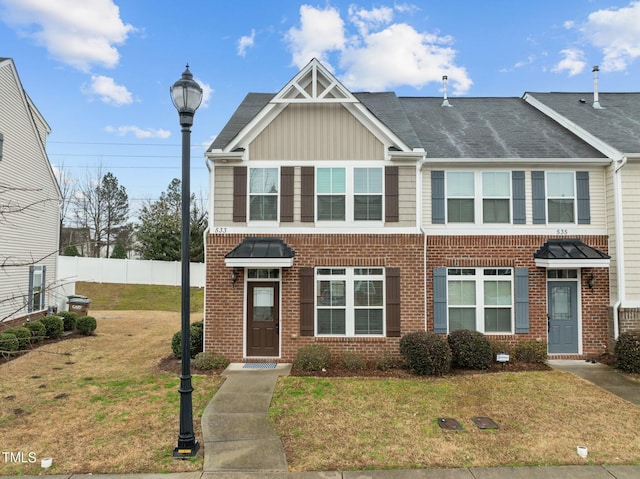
point(99, 71)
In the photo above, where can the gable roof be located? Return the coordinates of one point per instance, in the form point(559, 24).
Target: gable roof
point(617, 124)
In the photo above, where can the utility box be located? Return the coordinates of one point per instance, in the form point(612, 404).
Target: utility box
point(79, 304)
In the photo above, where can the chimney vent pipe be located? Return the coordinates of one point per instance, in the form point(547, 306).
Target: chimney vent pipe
point(596, 102)
point(444, 84)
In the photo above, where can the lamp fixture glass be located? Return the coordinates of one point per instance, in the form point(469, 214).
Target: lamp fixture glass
point(186, 94)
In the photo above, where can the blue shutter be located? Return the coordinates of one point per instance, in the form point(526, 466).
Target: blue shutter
point(519, 201)
point(440, 300)
point(539, 197)
point(522, 300)
point(437, 197)
point(584, 206)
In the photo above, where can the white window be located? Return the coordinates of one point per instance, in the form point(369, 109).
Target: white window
point(480, 299)
point(349, 301)
point(331, 194)
point(263, 194)
point(36, 288)
point(561, 197)
point(496, 197)
point(460, 197)
point(367, 194)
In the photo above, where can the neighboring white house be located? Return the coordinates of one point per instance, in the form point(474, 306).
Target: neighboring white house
point(29, 203)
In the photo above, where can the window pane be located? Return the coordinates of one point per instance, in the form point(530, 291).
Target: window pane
point(460, 184)
point(497, 320)
point(461, 293)
point(263, 208)
point(497, 293)
point(560, 211)
point(560, 184)
point(368, 321)
point(331, 208)
point(367, 293)
point(460, 210)
point(462, 318)
point(367, 208)
point(367, 180)
point(331, 293)
point(263, 180)
point(495, 211)
point(331, 180)
point(331, 321)
point(496, 184)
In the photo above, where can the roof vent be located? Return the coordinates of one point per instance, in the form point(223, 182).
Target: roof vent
point(444, 84)
point(596, 103)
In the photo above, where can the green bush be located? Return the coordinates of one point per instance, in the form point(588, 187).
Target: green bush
point(426, 353)
point(498, 347)
point(207, 361)
point(628, 352)
point(24, 336)
point(353, 361)
point(196, 337)
point(69, 318)
point(38, 331)
point(531, 351)
point(469, 349)
point(385, 361)
point(86, 325)
point(313, 357)
point(8, 344)
point(53, 325)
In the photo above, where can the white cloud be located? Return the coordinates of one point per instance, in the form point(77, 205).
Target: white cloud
point(616, 32)
point(138, 132)
point(378, 54)
point(320, 32)
point(108, 91)
point(245, 42)
point(207, 91)
point(573, 62)
point(76, 32)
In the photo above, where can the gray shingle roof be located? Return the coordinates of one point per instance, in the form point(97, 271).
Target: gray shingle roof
point(618, 124)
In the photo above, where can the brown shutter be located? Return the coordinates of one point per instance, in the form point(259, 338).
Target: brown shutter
point(239, 194)
point(393, 301)
point(391, 214)
point(286, 194)
point(308, 194)
point(306, 302)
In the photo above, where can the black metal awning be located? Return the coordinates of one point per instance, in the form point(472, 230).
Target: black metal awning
point(570, 253)
point(260, 253)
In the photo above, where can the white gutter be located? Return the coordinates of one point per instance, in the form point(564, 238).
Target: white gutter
point(204, 239)
point(619, 227)
point(419, 216)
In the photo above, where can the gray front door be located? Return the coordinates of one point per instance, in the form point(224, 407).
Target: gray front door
point(563, 316)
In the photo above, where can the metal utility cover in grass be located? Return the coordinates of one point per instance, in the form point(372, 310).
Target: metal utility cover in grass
point(485, 423)
point(449, 423)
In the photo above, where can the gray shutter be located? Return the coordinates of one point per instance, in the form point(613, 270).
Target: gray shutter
point(286, 194)
point(522, 300)
point(307, 213)
point(306, 302)
point(392, 286)
point(437, 197)
point(539, 197)
point(440, 300)
point(239, 194)
point(519, 200)
point(391, 207)
point(30, 294)
point(584, 203)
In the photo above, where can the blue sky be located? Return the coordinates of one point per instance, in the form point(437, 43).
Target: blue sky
point(100, 70)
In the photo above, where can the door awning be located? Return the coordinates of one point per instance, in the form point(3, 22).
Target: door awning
point(260, 253)
point(570, 253)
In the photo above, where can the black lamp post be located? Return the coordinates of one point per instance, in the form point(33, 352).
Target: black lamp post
point(186, 95)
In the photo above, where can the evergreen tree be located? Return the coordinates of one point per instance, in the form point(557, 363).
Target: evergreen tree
point(119, 251)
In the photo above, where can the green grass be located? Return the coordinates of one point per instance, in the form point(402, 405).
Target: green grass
point(141, 297)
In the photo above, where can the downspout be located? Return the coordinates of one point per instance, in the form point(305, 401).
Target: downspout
point(204, 239)
point(619, 227)
point(419, 219)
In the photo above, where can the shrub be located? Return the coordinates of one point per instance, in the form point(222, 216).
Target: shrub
point(69, 318)
point(469, 349)
point(207, 361)
point(24, 336)
point(196, 337)
point(498, 347)
point(53, 326)
point(353, 361)
point(86, 325)
point(531, 351)
point(313, 357)
point(426, 353)
point(38, 331)
point(386, 360)
point(8, 344)
point(628, 352)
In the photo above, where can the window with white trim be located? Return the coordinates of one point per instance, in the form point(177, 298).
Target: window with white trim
point(496, 197)
point(349, 301)
point(561, 197)
point(480, 299)
point(460, 197)
point(367, 194)
point(331, 191)
point(36, 288)
point(263, 194)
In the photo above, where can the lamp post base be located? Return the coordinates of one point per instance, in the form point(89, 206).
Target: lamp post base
point(183, 452)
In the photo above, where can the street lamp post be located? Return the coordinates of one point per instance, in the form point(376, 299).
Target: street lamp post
point(186, 95)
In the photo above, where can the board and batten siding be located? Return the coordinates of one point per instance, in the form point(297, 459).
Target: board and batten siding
point(30, 234)
point(631, 214)
point(316, 132)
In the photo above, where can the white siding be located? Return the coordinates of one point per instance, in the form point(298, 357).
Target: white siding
point(631, 212)
point(223, 191)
